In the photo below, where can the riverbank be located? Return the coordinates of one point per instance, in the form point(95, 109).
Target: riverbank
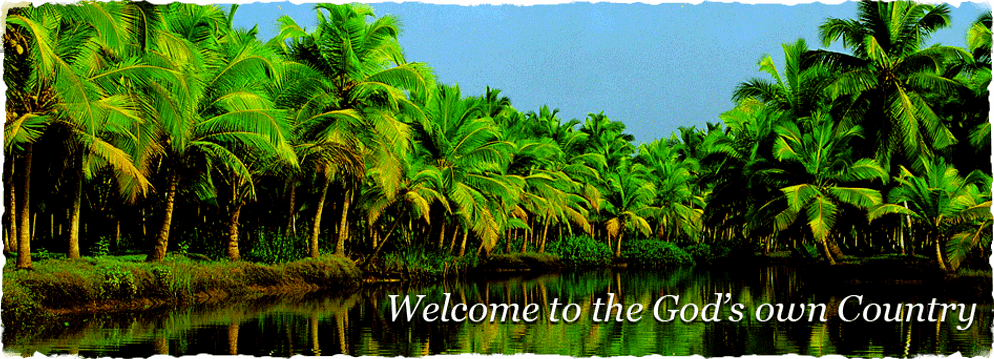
point(59, 287)
point(126, 283)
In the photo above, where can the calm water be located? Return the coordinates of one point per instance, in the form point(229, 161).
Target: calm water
point(361, 323)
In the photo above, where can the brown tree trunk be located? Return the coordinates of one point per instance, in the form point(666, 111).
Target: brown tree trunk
point(545, 235)
point(74, 219)
point(441, 234)
point(834, 247)
point(462, 245)
point(938, 255)
point(617, 251)
point(233, 253)
point(24, 240)
point(524, 239)
point(316, 229)
point(343, 227)
point(291, 223)
point(162, 238)
point(117, 234)
point(828, 253)
point(233, 338)
point(380, 245)
point(509, 236)
point(10, 245)
point(455, 235)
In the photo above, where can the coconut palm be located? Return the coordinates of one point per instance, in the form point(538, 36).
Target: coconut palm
point(468, 149)
point(889, 74)
point(61, 57)
point(943, 205)
point(679, 208)
point(219, 112)
point(362, 106)
point(823, 152)
point(799, 90)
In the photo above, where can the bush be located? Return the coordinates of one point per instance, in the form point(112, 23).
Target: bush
point(582, 251)
point(705, 253)
point(272, 247)
point(654, 253)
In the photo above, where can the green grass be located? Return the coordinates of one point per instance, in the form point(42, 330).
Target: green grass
point(126, 282)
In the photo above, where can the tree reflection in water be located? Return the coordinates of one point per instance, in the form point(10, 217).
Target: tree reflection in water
point(360, 324)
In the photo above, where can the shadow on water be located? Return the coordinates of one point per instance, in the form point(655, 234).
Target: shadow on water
point(361, 323)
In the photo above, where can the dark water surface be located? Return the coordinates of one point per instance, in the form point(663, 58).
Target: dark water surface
point(361, 323)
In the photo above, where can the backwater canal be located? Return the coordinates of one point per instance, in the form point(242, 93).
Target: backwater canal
point(362, 323)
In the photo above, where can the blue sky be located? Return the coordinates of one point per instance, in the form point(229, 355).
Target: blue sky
point(655, 67)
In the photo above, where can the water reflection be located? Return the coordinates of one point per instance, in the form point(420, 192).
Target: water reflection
point(361, 324)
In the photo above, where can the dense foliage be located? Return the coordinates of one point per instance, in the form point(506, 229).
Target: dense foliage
point(160, 128)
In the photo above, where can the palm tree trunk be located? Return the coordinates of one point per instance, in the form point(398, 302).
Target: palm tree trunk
point(462, 246)
point(343, 228)
point(380, 245)
point(524, 240)
point(74, 218)
point(24, 240)
point(441, 234)
point(938, 255)
point(291, 223)
point(834, 247)
point(11, 241)
point(455, 235)
point(162, 239)
point(117, 234)
point(828, 253)
point(316, 228)
point(233, 253)
point(545, 234)
point(233, 338)
point(617, 251)
point(507, 250)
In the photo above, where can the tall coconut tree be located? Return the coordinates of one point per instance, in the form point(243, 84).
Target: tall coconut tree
point(629, 202)
point(472, 156)
point(362, 107)
point(798, 89)
point(216, 110)
point(679, 208)
point(888, 74)
point(829, 170)
point(943, 205)
point(62, 56)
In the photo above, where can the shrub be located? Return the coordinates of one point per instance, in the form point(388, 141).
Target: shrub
point(705, 253)
point(582, 251)
point(654, 253)
point(272, 247)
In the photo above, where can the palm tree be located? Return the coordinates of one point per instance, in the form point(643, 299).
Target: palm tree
point(74, 89)
point(943, 205)
point(411, 201)
point(629, 202)
point(799, 90)
point(679, 208)
point(217, 111)
point(979, 42)
point(890, 73)
point(468, 149)
point(825, 156)
point(362, 106)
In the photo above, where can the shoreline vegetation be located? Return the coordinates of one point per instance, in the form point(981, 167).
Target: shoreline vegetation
point(165, 158)
point(66, 288)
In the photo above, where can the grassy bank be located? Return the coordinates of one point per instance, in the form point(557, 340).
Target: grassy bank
point(107, 283)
